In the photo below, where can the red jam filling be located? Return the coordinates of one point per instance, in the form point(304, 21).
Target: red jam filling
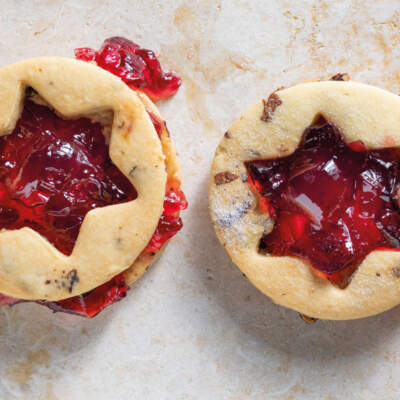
point(332, 203)
point(170, 222)
point(139, 68)
point(53, 172)
point(91, 303)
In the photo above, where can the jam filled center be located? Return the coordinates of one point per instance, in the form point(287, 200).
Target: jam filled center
point(53, 171)
point(332, 202)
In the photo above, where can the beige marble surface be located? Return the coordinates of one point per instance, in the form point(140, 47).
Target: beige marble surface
point(193, 327)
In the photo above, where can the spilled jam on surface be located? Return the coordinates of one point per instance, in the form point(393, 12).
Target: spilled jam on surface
point(332, 203)
point(53, 172)
point(139, 69)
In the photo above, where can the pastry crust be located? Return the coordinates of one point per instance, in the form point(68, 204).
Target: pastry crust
point(145, 259)
point(74, 89)
point(362, 112)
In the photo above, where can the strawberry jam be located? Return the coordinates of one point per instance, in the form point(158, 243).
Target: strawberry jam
point(332, 202)
point(139, 68)
point(53, 171)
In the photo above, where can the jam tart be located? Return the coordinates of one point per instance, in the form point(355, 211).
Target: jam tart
point(89, 177)
point(304, 197)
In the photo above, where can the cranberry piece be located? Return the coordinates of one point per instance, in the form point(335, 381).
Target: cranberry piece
point(139, 68)
point(91, 303)
point(54, 171)
point(332, 202)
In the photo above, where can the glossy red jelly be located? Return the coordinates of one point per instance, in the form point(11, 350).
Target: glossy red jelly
point(139, 68)
point(170, 222)
point(53, 172)
point(332, 202)
point(91, 303)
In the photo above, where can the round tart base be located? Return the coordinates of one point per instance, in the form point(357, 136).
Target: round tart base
point(273, 128)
